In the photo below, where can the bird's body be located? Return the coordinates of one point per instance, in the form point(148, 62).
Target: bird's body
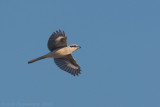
point(61, 52)
point(58, 53)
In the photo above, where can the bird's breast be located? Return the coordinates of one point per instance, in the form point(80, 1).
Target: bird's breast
point(58, 53)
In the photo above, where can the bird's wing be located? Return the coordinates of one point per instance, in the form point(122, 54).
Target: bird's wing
point(68, 64)
point(57, 40)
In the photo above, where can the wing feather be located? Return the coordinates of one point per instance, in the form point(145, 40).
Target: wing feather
point(68, 64)
point(57, 40)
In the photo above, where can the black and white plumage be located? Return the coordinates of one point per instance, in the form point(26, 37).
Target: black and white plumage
point(57, 40)
point(68, 63)
point(61, 52)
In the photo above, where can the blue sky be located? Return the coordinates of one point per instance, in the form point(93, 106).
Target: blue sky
point(120, 54)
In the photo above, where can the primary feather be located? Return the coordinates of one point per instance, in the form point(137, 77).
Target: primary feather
point(57, 40)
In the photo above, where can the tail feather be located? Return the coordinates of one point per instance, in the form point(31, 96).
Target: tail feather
point(37, 59)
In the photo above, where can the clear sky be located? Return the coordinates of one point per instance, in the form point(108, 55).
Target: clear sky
point(119, 58)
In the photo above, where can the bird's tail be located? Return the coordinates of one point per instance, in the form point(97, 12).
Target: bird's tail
point(37, 59)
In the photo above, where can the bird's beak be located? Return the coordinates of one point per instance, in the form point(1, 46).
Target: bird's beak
point(79, 46)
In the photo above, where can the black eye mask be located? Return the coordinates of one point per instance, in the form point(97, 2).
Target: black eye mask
point(73, 46)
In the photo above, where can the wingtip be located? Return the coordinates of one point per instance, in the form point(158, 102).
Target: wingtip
point(64, 33)
point(59, 33)
point(59, 30)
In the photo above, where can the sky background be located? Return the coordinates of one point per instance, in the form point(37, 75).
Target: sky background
point(119, 58)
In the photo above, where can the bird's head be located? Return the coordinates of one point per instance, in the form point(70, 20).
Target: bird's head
point(73, 47)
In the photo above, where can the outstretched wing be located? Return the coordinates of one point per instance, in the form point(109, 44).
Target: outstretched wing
point(57, 40)
point(68, 64)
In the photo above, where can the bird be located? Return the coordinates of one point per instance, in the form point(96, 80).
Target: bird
point(62, 53)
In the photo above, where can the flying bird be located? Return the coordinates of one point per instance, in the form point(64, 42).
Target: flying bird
point(62, 53)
